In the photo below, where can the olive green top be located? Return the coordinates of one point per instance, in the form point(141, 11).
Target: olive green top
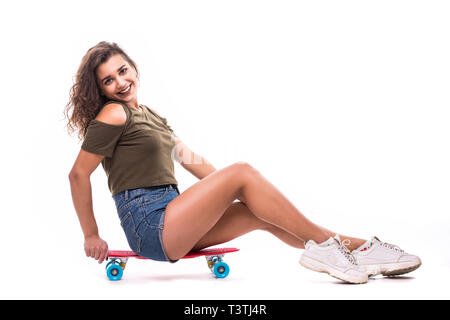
point(138, 153)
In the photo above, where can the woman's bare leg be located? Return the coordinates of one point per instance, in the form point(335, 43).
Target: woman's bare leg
point(193, 213)
point(239, 220)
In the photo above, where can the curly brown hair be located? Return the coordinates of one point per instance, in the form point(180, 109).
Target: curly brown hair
point(86, 99)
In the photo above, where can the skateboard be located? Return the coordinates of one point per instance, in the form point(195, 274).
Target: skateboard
point(214, 259)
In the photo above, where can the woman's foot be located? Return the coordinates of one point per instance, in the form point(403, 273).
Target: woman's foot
point(334, 258)
point(378, 257)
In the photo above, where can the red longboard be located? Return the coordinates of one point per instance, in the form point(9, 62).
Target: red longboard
point(214, 258)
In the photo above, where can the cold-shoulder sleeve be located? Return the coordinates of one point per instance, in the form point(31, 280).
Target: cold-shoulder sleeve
point(101, 138)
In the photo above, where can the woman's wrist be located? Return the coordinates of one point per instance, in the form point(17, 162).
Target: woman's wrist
point(91, 235)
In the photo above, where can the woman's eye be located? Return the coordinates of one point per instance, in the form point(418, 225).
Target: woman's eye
point(122, 71)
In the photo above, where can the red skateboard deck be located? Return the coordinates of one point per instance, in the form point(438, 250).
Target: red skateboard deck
point(214, 258)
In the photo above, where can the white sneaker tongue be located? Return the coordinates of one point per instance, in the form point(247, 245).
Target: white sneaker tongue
point(327, 243)
point(337, 238)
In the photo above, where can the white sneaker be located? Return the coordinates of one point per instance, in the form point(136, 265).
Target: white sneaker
point(378, 257)
point(333, 258)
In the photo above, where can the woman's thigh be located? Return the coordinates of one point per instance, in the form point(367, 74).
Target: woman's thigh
point(193, 213)
point(235, 222)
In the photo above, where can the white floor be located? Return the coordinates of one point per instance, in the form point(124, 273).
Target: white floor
point(255, 274)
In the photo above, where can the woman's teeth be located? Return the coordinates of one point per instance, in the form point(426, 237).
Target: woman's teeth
point(126, 90)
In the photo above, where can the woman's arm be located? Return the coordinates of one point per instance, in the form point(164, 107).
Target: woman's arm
point(195, 164)
point(80, 186)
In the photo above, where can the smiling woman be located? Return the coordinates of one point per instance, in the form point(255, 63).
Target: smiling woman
point(135, 146)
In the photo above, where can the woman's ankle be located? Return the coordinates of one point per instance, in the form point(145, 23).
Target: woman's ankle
point(353, 243)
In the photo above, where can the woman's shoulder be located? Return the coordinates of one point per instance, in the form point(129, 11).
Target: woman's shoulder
point(112, 113)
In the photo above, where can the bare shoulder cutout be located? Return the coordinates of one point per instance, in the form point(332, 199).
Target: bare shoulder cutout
point(112, 113)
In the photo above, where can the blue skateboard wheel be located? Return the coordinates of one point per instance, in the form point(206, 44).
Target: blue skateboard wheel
point(108, 264)
point(114, 272)
point(221, 270)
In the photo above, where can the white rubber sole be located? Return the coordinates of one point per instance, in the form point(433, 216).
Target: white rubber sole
point(318, 266)
point(391, 269)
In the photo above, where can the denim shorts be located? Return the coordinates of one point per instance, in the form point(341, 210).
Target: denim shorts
point(141, 213)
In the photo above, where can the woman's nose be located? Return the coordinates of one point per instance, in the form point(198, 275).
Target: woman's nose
point(120, 82)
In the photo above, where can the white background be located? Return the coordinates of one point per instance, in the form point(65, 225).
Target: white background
point(343, 105)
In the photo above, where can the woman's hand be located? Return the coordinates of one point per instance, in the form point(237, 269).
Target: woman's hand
point(95, 247)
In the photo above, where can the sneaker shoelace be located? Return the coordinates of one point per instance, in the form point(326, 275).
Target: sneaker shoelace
point(346, 252)
point(391, 246)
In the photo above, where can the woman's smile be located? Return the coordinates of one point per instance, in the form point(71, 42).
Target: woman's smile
point(126, 89)
point(125, 92)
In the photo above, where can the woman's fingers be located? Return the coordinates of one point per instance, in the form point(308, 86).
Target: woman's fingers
point(103, 255)
point(96, 248)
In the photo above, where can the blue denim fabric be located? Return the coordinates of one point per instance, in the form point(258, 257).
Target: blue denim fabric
point(141, 212)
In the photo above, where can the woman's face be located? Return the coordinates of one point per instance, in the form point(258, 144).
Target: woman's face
point(117, 80)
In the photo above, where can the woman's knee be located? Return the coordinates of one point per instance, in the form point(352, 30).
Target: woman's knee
point(244, 169)
point(243, 173)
